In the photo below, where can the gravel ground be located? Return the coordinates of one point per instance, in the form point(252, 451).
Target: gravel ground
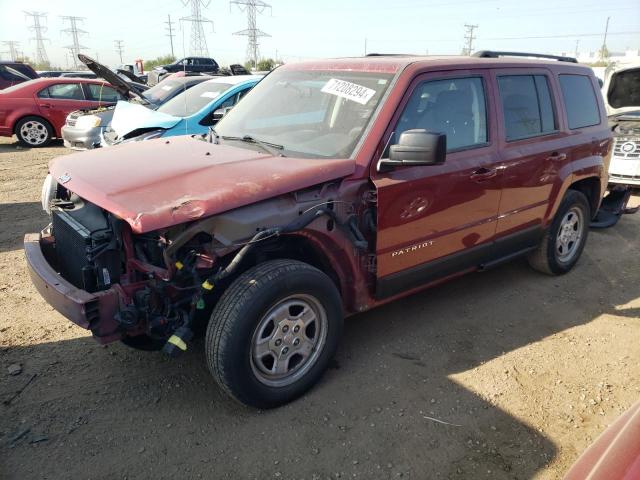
point(503, 374)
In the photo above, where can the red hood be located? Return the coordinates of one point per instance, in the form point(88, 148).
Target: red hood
point(159, 183)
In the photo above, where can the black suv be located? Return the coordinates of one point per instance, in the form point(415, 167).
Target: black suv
point(188, 64)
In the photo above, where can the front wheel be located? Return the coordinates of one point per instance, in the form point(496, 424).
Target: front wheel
point(273, 332)
point(563, 243)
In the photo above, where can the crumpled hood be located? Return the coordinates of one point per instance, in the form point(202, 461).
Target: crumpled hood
point(128, 117)
point(159, 183)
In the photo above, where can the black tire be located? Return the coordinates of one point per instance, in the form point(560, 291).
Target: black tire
point(39, 132)
point(546, 258)
point(244, 306)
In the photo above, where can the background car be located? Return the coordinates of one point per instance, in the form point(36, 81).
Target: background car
point(188, 64)
point(191, 112)
point(83, 129)
point(13, 73)
point(36, 110)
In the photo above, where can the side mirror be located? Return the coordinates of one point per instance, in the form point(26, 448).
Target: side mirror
point(416, 147)
point(221, 112)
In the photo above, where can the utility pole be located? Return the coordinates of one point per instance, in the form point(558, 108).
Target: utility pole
point(577, 46)
point(75, 33)
point(469, 38)
point(39, 29)
point(365, 46)
point(13, 52)
point(603, 50)
point(170, 34)
point(252, 32)
point(198, 41)
point(119, 49)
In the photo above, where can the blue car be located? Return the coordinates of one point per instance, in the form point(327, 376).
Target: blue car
point(191, 112)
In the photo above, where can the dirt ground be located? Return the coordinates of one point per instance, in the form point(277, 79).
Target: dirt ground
point(526, 371)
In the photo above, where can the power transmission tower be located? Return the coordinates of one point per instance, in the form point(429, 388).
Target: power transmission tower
point(119, 49)
point(252, 7)
point(39, 29)
point(169, 28)
point(604, 52)
point(13, 52)
point(198, 45)
point(75, 33)
point(469, 38)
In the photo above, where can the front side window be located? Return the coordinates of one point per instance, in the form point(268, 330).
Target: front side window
point(103, 93)
point(194, 99)
point(63, 91)
point(580, 101)
point(527, 107)
point(310, 113)
point(453, 106)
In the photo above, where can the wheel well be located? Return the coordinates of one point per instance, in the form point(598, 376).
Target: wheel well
point(590, 187)
point(290, 247)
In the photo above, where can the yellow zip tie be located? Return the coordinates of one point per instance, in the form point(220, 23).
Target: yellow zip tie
point(179, 265)
point(207, 286)
point(178, 342)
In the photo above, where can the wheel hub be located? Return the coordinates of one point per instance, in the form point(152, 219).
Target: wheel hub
point(34, 132)
point(569, 235)
point(288, 340)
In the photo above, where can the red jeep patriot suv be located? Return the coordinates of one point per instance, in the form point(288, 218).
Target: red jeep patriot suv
point(331, 188)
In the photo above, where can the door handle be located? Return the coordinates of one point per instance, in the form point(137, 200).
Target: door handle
point(483, 174)
point(45, 105)
point(557, 157)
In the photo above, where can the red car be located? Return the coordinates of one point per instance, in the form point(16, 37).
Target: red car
point(35, 111)
point(331, 188)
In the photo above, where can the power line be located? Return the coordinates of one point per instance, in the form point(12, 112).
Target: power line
point(41, 54)
point(198, 45)
point(119, 48)
point(13, 52)
point(169, 28)
point(253, 8)
point(469, 38)
point(75, 33)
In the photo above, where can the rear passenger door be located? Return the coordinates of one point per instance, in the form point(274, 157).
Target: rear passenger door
point(436, 220)
point(533, 152)
point(57, 101)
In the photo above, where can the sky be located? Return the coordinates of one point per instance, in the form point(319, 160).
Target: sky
point(328, 28)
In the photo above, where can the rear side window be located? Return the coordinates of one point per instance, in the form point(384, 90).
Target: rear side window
point(580, 101)
point(526, 106)
point(63, 91)
point(102, 93)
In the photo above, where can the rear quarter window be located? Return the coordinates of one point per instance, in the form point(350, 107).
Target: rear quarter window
point(579, 101)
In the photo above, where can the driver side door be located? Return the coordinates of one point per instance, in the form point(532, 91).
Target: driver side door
point(437, 220)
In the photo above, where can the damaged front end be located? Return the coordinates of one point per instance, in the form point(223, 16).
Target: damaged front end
point(157, 289)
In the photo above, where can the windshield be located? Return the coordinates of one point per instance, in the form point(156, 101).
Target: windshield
point(311, 113)
point(194, 99)
point(159, 93)
point(624, 90)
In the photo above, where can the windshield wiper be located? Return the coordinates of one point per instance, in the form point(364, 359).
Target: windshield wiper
point(266, 146)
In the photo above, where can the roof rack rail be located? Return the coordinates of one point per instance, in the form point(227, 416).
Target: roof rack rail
point(496, 54)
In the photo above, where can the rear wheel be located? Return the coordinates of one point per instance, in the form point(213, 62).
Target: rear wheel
point(273, 332)
point(34, 132)
point(563, 243)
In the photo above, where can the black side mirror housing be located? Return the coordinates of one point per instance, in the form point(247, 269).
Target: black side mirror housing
point(416, 147)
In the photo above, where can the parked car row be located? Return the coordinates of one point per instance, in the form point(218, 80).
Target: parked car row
point(332, 187)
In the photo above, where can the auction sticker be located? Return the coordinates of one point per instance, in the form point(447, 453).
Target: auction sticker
point(348, 90)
